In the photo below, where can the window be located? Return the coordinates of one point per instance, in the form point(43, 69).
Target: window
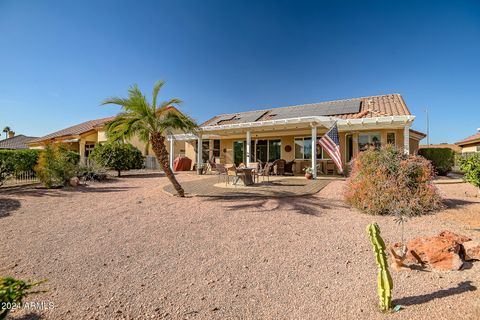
point(88, 148)
point(216, 148)
point(349, 147)
point(391, 138)
point(274, 149)
point(367, 140)
point(261, 150)
point(303, 149)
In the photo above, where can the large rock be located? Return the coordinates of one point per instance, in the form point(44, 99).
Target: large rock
point(74, 182)
point(472, 250)
point(441, 252)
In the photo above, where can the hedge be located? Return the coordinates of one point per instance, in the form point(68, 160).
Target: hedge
point(19, 160)
point(442, 159)
point(26, 159)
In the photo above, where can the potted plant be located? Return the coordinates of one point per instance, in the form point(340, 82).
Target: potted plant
point(308, 172)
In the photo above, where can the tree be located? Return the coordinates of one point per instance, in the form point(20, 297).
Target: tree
point(117, 156)
point(470, 166)
point(151, 122)
point(6, 130)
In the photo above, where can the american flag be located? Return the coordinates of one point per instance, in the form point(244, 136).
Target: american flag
point(331, 143)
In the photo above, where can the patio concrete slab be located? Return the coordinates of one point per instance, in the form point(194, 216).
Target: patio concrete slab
point(276, 187)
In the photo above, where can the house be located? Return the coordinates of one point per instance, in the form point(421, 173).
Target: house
point(16, 142)
point(471, 143)
point(450, 146)
point(290, 133)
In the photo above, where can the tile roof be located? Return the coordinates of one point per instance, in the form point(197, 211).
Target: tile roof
point(454, 147)
point(76, 129)
point(470, 139)
point(17, 142)
point(365, 107)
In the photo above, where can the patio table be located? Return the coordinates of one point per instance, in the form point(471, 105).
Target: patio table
point(246, 175)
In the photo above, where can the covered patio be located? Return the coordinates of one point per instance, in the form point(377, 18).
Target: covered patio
point(291, 139)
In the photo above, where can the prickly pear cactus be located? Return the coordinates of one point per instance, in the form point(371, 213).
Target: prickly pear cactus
point(385, 283)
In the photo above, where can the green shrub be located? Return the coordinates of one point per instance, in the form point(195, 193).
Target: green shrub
point(19, 160)
point(72, 156)
point(12, 292)
point(442, 159)
point(386, 181)
point(470, 166)
point(4, 172)
point(117, 156)
point(56, 166)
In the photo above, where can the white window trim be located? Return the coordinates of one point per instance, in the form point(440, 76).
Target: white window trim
point(369, 133)
point(395, 136)
point(309, 158)
point(255, 141)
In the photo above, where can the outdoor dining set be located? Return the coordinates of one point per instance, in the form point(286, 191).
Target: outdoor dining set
point(251, 173)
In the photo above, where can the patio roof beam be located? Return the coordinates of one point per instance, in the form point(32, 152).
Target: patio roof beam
point(314, 151)
point(322, 121)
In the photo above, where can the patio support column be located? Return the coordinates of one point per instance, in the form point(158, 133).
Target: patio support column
point(314, 151)
point(406, 139)
point(249, 142)
point(199, 152)
point(170, 153)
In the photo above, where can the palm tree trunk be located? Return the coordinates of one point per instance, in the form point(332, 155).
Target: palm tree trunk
point(158, 145)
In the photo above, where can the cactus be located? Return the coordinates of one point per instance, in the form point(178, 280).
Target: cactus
point(385, 283)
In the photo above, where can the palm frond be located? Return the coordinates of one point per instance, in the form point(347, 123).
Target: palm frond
point(156, 88)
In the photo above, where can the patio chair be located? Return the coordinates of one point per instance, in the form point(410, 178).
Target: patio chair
point(232, 172)
point(265, 172)
point(289, 167)
point(256, 167)
point(279, 167)
point(212, 165)
point(221, 171)
point(330, 168)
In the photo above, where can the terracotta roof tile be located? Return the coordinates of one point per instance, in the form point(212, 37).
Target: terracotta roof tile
point(370, 107)
point(17, 142)
point(470, 139)
point(76, 129)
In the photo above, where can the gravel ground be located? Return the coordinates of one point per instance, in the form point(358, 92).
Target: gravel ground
point(124, 249)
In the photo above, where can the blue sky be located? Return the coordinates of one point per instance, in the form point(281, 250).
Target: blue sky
point(60, 59)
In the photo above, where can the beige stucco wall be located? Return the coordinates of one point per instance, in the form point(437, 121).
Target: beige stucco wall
point(470, 147)
point(226, 145)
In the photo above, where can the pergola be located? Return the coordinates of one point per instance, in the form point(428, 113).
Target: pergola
point(314, 122)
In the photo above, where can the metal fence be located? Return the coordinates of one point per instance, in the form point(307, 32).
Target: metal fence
point(20, 178)
point(151, 163)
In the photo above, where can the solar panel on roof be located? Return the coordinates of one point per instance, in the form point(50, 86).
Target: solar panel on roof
point(306, 110)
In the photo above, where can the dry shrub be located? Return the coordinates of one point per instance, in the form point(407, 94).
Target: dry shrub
point(386, 181)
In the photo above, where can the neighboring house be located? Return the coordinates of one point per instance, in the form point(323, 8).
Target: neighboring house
point(453, 147)
point(83, 137)
point(16, 142)
point(287, 132)
point(470, 144)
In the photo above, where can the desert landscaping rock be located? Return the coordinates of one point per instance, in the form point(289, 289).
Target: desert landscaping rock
point(441, 252)
point(295, 250)
point(472, 250)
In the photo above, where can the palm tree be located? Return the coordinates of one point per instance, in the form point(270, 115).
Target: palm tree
point(6, 130)
point(151, 122)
